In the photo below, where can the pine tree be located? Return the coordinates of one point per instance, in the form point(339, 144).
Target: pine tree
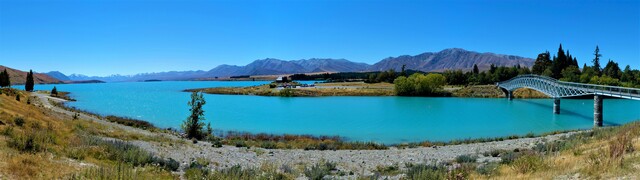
point(475, 69)
point(596, 61)
point(28, 86)
point(5, 80)
point(403, 72)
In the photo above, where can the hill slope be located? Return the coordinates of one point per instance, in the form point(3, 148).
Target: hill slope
point(20, 77)
point(454, 58)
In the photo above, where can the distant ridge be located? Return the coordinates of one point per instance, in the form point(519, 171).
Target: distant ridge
point(20, 77)
point(447, 59)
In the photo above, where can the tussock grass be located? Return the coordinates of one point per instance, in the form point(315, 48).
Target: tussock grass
point(287, 141)
point(37, 143)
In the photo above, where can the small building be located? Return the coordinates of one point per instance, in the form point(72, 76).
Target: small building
point(282, 79)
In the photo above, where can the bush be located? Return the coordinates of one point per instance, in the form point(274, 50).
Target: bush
point(424, 171)
point(509, 157)
point(286, 92)
point(388, 170)
point(487, 169)
point(268, 145)
point(31, 141)
point(466, 158)
point(319, 170)
point(528, 163)
point(419, 85)
point(19, 121)
point(130, 122)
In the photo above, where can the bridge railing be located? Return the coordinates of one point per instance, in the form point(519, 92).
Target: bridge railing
point(593, 88)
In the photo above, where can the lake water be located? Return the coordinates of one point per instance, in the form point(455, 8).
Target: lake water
point(381, 119)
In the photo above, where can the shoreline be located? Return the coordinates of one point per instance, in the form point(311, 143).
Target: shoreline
point(426, 143)
point(349, 164)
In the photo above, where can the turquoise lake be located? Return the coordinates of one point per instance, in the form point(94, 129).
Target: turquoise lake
point(381, 119)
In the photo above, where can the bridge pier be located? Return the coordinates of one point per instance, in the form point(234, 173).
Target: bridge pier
point(510, 95)
point(556, 105)
point(597, 111)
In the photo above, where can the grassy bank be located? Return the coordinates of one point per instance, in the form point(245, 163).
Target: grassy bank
point(491, 91)
point(39, 144)
point(321, 89)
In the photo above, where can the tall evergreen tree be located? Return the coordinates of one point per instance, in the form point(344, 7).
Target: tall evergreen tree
point(5, 79)
point(475, 69)
point(403, 72)
point(596, 61)
point(28, 86)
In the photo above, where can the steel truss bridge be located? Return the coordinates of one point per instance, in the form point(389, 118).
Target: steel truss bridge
point(560, 89)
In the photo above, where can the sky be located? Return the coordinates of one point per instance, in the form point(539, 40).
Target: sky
point(104, 37)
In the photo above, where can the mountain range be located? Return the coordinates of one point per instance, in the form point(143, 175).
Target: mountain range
point(447, 59)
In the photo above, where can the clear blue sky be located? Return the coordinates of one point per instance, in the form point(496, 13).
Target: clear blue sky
point(128, 37)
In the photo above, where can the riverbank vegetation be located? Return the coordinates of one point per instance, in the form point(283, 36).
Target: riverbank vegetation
point(562, 66)
point(491, 91)
point(420, 85)
point(320, 89)
point(40, 144)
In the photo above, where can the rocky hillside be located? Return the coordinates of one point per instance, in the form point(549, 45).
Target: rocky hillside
point(447, 59)
point(20, 77)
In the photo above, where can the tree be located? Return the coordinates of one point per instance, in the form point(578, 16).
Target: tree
point(419, 84)
point(54, 91)
point(627, 75)
point(612, 70)
point(403, 72)
point(28, 86)
point(571, 74)
point(194, 124)
point(596, 61)
point(4, 79)
point(541, 63)
point(475, 69)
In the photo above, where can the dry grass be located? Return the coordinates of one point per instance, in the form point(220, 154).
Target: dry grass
point(36, 143)
point(602, 154)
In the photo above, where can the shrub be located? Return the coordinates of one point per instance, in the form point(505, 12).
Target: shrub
point(18, 97)
point(466, 158)
point(19, 121)
point(319, 170)
point(528, 163)
point(54, 91)
point(494, 153)
point(31, 141)
point(388, 170)
point(487, 169)
point(130, 122)
point(509, 157)
point(268, 145)
point(286, 92)
point(424, 171)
